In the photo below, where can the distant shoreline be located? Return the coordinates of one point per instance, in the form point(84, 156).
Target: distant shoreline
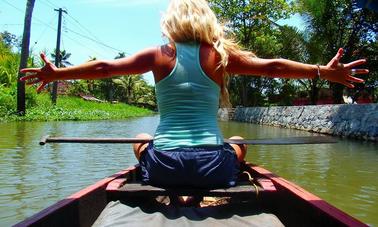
point(75, 109)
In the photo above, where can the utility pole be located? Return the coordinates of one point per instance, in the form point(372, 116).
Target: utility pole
point(54, 92)
point(24, 57)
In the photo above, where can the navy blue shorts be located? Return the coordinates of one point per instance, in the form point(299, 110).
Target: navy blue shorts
point(202, 167)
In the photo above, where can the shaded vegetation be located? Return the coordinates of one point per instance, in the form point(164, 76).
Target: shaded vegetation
point(125, 90)
point(330, 24)
point(72, 108)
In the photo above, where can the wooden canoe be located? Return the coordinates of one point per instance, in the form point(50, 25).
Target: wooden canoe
point(293, 205)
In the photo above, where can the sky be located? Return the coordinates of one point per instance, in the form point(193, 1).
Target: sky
point(92, 28)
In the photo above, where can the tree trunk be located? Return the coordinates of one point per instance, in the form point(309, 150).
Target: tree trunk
point(314, 92)
point(244, 96)
point(337, 90)
point(21, 109)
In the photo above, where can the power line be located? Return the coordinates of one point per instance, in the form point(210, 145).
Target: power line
point(82, 26)
point(77, 33)
point(77, 42)
point(98, 42)
point(22, 11)
point(82, 45)
point(43, 32)
point(91, 36)
point(50, 4)
point(11, 24)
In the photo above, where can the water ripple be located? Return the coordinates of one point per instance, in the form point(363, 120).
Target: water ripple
point(33, 177)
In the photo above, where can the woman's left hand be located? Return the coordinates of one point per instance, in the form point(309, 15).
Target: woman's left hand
point(343, 73)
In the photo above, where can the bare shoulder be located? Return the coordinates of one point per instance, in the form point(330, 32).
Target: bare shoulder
point(165, 60)
point(210, 60)
point(166, 52)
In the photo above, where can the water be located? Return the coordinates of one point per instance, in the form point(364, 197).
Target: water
point(33, 177)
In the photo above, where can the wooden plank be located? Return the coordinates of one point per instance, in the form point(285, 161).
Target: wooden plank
point(138, 189)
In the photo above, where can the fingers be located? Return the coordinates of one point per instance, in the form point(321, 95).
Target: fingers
point(355, 63)
point(30, 70)
point(339, 54)
point(335, 60)
point(33, 81)
point(41, 87)
point(359, 71)
point(349, 85)
point(25, 78)
point(44, 58)
point(355, 79)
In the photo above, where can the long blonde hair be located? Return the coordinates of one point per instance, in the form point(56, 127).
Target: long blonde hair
point(193, 20)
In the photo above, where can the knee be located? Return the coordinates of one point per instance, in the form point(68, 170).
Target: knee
point(236, 138)
point(144, 136)
point(240, 149)
point(140, 147)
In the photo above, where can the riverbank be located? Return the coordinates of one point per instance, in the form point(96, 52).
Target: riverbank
point(352, 121)
point(74, 109)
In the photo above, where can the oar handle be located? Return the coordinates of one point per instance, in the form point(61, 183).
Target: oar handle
point(47, 139)
point(274, 141)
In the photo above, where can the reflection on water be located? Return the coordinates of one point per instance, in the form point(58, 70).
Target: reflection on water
point(344, 174)
point(33, 177)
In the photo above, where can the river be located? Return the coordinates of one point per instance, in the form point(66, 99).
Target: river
point(33, 177)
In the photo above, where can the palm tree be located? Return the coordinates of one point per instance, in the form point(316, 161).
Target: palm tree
point(62, 62)
point(128, 86)
point(64, 55)
point(107, 83)
point(134, 90)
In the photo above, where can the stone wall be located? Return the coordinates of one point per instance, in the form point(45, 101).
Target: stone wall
point(354, 121)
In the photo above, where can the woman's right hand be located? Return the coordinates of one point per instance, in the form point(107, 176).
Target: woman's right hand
point(43, 75)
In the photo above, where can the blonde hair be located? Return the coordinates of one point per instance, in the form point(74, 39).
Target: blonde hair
point(193, 20)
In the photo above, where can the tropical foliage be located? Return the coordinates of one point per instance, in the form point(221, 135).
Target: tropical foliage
point(75, 109)
point(131, 89)
point(258, 27)
point(343, 23)
point(254, 24)
point(330, 25)
point(9, 64)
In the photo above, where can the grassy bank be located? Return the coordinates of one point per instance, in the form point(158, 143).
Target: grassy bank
point(73, 108)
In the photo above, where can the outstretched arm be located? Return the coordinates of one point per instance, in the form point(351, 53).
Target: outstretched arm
point(138, 63)
point(334, 71)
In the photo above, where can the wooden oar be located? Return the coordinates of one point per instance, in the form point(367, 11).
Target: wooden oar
point(274, 141)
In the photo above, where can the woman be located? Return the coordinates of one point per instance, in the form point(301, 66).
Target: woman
point(190, 73)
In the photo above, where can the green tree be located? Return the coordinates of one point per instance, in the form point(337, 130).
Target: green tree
point(341, 23)
point(64, 56)
point(303, 47)
point(254, 24)
point(9, 40)
point(9, 63)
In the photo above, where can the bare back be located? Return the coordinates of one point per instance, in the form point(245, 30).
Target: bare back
point(166, 59)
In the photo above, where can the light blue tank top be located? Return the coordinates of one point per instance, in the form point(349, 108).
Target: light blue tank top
point(188, 104)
